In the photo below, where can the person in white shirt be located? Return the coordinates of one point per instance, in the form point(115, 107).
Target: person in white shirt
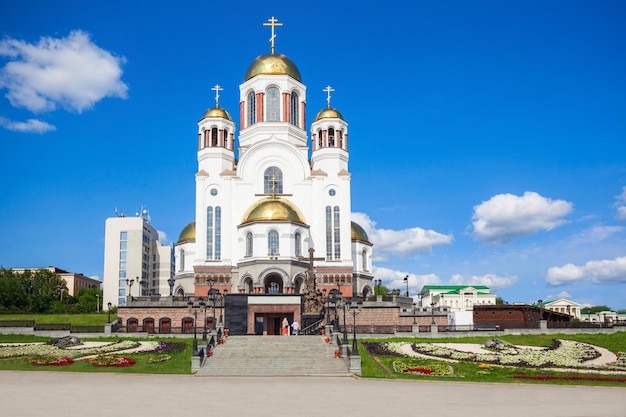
point(295, 327)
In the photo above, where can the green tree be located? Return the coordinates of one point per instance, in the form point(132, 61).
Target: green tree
point(44, 287)
point(594, 309)
point(500, 300)
point(87, 300)
point(13, 296)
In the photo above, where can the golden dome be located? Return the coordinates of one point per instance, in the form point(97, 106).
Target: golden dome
point(217, 112)
point(277, 64)
point(273, 209)
point(357, 233)
point(188, 234)
point(328, 113)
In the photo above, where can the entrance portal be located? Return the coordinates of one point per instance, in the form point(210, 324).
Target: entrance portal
point(270, 324)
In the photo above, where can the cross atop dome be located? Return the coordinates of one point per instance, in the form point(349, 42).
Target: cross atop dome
point(217, 90)
point(328, 90)
point(273, 23)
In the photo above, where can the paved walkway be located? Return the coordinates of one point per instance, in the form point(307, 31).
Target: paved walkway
point(64, 394)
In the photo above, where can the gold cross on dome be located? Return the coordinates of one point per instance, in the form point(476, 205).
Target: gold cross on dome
point(273, 23)
point(328, 90)
point(217, 90)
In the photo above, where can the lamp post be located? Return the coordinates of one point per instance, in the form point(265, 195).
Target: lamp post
point(193, 309)
point(345, 329)
point(170, 281)
point(432, 312)
point(406, 281)
point(98, 303)
point(414, 322)
point(129, 284)
point(328, 306)
point(377, 284)
point(354, 309)
point(109, 305)
point(222, 302)
point(203, 306)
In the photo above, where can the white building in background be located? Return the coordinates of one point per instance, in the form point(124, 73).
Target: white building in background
point(564, 306)
point(456, 297)
point(135, 262)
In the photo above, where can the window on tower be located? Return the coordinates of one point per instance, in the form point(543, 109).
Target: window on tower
point(273, 181)
point(331, 137)
point(251, 108)
point(293, 109)
point(214, 233)
point(273, 104)
point(272, 243)
point(214, 137)
point(249, 246)
point(298, 243)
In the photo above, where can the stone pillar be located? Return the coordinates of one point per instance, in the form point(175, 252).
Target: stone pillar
point(434, 329)
point(415, 328)
point(543, 324)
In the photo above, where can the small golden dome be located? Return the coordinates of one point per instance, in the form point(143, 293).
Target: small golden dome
point(273, 209)
point(188, 234)
point(328, 113)
point(277, 64)
point(217, 112)
point(357, 233)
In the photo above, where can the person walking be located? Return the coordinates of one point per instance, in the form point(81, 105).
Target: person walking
point(295, 326)
point(285, 327)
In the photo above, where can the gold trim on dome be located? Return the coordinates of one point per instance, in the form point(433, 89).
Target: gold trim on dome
point(275, 64)
point(188, 234)
point(217, 112)
point(328, 113)
point(358, 233)
point(273, 209)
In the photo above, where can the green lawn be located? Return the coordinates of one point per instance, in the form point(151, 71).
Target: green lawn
point(91, 319)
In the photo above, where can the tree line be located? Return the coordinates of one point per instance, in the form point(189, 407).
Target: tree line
point(43, 291)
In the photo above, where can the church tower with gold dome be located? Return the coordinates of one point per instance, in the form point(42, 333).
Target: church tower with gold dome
point(272, 212)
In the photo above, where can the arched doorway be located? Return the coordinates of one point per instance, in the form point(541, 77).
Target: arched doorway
point(297, 283)
point(273, 284)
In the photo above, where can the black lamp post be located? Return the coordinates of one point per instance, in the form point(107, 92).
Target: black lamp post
point(171, 283)
point(193, 308)
point(432, 312)
point(345, 329)
point(129, 284)
point(109, 305)
point(406, 281)
point(354, 309)
point(377, 284)
point(414, 322)
point(203, 306)
point(328, 306)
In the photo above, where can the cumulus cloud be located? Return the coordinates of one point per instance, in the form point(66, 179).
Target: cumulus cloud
point(71, 72)
point(163, 239)
point(562, 294)
point(599, 233)
point(394, 279)
point(399, 243)
point(621, 204)
point(608, 271)
point(492, 281)
point(505, 217)
point(29, 126)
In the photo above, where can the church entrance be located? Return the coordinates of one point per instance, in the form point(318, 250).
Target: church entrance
point(270, 324)
point(273, 284)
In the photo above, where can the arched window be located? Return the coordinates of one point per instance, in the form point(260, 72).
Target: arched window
point(331, 137)
point(273, 104)
point(333, 235)
point(272, 243)
point(214, 137)
point(225, 138)
point(249, 244)
point(214, 233)
point(273, 181)
point(251, 108)
point(320, 140)
point(337, 233)
point(182, 260)
point(298, 243)
point(293, 109)
point(364, 259)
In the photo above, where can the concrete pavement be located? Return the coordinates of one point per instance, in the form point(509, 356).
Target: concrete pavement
point(64, 394)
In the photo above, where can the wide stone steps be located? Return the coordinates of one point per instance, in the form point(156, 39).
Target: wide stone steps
point(274, 356)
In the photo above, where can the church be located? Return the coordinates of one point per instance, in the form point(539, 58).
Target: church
point(272, 232)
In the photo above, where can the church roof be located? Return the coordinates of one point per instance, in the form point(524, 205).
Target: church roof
point(273, 209)
point(328, 113)
point(275, 64)
point(358, 233)
point(217, 112)
point(188, 234)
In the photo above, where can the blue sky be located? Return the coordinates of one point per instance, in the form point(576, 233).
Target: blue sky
point(487, 138)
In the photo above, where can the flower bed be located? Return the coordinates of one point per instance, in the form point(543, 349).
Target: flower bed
point(111, 361)
point(43, 349)
point(569, 378)
point(430, 369)
point(50, 361)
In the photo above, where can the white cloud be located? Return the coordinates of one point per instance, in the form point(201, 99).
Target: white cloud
point(394, 279)
point(608, 271)
point(29, 126)
point(562, 294)
point(399, 243)
point(505, 217)
point(492, 281)
point(163, 237)
point(70, 72)
point(599, 233)
point(621, 205)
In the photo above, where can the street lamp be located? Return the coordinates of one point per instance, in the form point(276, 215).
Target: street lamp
point(203, 306)
point(170, 281)
point(97, 303)
point(328, 306)
point(193, 308)
point(345, 329)
point(222, 302)
point(109, 305)
point(414, 322)
point(378, 283)
point(129, 284)
point(354, 308)
point(406, 281)
point(432, 312)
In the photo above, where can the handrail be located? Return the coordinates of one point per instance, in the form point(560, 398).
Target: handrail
point(314, 326)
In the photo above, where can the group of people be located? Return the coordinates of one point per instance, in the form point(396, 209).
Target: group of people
point(295, 327)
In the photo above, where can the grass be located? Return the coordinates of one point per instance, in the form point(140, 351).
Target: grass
point(83, 319)
point(381, 366)
point(180, 362)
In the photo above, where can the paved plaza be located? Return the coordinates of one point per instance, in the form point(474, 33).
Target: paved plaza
point(56, 394)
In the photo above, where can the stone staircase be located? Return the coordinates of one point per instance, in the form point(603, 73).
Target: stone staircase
point(274, 356)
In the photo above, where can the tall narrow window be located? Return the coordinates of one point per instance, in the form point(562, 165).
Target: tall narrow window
point(218, 233)
point(273, 104)
point(331, 137)
point(251, 108)
point(294, 116)
point(329, 233)
point(364, 260)
point(182, 260)
point(337, 234)
point(225, 138)
point(209, 232)
point(320, 139)
point(214, 137)
point(272, 242)
point(249, 246)
point(273, 181)
point(214, 233)
point(298, 243)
